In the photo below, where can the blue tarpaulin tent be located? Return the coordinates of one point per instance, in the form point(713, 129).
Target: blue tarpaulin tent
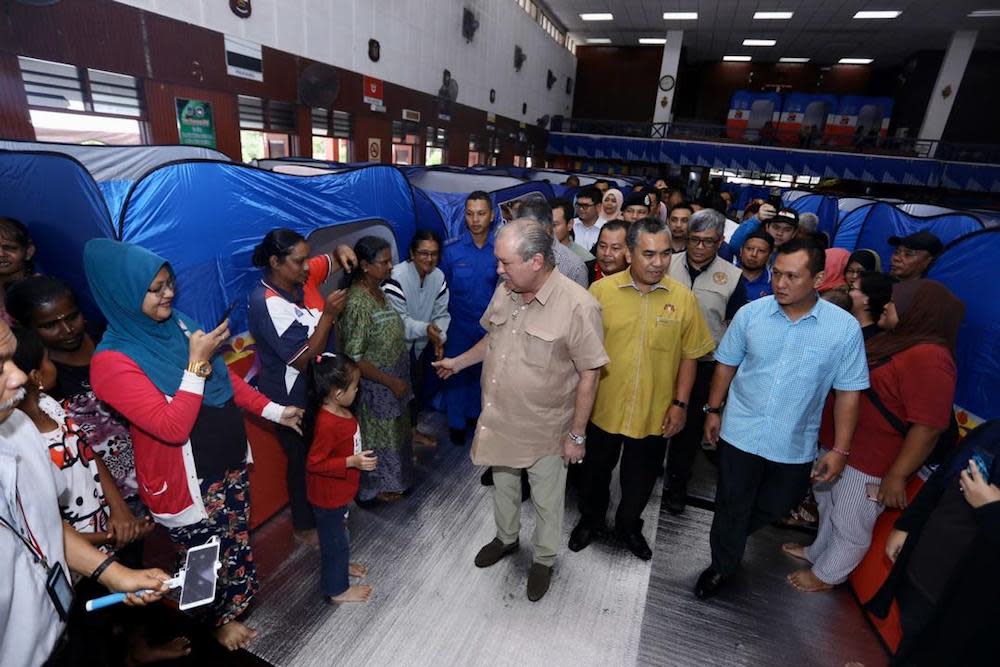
point(969, 268)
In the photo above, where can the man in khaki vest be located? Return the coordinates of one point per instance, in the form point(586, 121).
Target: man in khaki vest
point(720, 292)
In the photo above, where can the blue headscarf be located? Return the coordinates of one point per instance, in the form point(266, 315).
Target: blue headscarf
point(119, 275)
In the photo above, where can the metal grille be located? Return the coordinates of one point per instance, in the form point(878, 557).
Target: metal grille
point(281, 116)
point(341, 124)
point(53, 85)
point(437, 137)
point(115, 93)
point(320, 122)
point(251, 112)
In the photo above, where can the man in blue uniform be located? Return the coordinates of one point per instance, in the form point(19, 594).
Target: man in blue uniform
point(470, 269)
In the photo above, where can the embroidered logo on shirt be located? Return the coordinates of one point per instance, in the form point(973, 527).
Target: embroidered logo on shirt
point(720, 278)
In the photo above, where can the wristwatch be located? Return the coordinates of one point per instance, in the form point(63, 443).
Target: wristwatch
point(200, 368)
point(709, 410)
point(579, 440)
point(681, 404)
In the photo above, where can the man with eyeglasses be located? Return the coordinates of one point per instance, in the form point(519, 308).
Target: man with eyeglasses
point(586, 225)
point(720, 291)
point(913, 255)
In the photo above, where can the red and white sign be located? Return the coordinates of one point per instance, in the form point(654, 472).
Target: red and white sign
point(372, 93)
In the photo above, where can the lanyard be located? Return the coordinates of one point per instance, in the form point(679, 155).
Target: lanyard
point(33, 546)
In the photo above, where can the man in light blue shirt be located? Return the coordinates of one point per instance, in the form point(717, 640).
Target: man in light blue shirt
point(777, 362)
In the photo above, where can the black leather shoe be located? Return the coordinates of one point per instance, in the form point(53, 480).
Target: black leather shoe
point(539, 578)
point(582, 536)
point(709, 583)
point(637, 544)
point(676, 498)
point(494, 551)
point(487, 478)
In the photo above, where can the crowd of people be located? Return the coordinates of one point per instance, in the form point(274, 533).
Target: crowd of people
point(637, 330)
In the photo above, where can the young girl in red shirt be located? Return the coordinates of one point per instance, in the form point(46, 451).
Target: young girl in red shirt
point(333, 472)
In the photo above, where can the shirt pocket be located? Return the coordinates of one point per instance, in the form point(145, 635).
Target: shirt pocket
point(665, 333)
point(497, 322)
point(539, 347)
point(816, 363)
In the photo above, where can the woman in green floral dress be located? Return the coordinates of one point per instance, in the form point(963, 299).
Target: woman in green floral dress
point(372, 334)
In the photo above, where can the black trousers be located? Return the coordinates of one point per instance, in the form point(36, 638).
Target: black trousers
point(296, 450)
point(641, 461)
point(752, 493)
point(684, 446)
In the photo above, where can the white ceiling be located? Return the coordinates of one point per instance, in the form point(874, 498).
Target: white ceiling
point(822, 30)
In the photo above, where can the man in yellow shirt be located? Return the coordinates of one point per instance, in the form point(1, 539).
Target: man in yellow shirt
point(654, 333)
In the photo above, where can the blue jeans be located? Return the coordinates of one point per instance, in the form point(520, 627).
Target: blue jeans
point(335, 549)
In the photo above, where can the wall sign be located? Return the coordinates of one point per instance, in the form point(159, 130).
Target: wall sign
point(244, 59)
point(374, 149)
point(195, 124)
point(372, 93)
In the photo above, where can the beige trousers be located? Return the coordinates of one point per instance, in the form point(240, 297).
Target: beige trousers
point(547, 477)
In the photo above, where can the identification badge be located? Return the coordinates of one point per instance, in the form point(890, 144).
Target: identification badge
point(357, 440)
point(60, 591)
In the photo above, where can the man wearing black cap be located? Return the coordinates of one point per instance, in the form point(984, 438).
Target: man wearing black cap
point(635, 207)
point(913, 254)
point(783, 226)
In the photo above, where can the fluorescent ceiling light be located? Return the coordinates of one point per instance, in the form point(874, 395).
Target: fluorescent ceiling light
point(598, 40)
point(652, 40)
point(877, 15)
point(737, 59)
point(597, 17)
point(775, 16)
point(856, 61)
point(985, 13)
point(680, 16)
point(793, 60)
point(759, 42)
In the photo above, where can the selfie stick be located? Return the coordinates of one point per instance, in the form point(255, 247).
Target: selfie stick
point(117, 598)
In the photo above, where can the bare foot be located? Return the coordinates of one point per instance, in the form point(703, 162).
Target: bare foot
point(795, 550)
point(355, 593)
point(807, 582)
point(234, 635)
point(141, 653)
point(423, 439)
point(310, 537)
point(357, 570)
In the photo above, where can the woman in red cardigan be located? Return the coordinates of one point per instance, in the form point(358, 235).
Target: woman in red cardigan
point(158, 369)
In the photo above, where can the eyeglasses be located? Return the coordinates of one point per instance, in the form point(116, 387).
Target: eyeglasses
point(427, 254)
point(701, 241)
point(167, 285)
point(582, 205)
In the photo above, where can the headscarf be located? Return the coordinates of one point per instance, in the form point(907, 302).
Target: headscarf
point(928, 313)
point(618, 209)
point(833, 274)
point(867, 258)
point(119, 275)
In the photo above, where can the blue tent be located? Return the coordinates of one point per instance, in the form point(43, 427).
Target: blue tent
point(876, 223)
point(969, 267)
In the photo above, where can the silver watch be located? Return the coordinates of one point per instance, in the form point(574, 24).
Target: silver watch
point(578, 439)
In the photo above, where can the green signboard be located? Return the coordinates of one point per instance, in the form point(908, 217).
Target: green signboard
point(194, 123)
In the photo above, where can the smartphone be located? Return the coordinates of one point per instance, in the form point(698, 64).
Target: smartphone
point(984, 460)
point(225, 315)
point(775, 201)
point(871, 490)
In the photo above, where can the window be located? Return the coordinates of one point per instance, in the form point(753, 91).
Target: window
point(267, 128)
point(405, 139)
point(78, 105)
point(546, 22)
point(331, 135)
point(477, 156)
point(494, 150)
point(436, 151)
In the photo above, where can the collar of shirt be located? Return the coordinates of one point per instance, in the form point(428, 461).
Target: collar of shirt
point(297, 298)
point(693, 272)
point(813, 312)
point(541, 296)
point(625, 279)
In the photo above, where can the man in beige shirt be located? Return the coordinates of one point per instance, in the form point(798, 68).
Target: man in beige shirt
point(541, 357)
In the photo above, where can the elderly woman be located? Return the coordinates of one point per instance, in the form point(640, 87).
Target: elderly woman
point(374, 336)
point(291, 322)
point(16, 252)
point(160, 371)
point(611, 206)
point(909, 405)
point(419, 293)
